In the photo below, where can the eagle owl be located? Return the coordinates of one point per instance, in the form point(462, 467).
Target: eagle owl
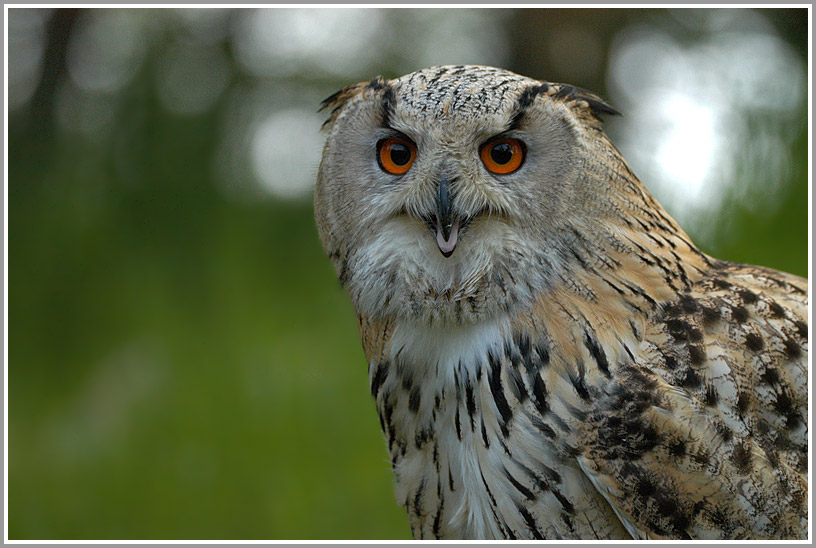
point(550, 354)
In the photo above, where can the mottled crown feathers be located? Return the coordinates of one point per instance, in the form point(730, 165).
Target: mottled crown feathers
point(575, 97)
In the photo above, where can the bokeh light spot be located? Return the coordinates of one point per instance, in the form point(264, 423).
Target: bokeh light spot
point(26, 46)
point(282, 149)
point(290, 42)
point(703, 117)
point(107, 49)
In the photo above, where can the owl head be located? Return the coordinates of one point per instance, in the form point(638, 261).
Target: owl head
point(453, 193)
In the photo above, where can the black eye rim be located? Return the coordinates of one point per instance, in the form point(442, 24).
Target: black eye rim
point(396, 137)
point(497, 140)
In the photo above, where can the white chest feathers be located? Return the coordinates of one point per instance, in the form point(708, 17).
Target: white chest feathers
point(472, 456)
point(428, 396)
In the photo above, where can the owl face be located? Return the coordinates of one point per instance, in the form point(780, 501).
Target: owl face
point(443, 195)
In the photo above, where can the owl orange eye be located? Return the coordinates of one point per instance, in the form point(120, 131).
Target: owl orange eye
point(396, 156)
point(503, 156)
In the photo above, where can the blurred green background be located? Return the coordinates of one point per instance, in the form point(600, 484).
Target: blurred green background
point(182, 362)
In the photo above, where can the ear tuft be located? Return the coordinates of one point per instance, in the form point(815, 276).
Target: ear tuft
point(594, 103)
point(338, 99)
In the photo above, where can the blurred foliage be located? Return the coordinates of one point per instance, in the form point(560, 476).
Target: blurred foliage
point(184, 364)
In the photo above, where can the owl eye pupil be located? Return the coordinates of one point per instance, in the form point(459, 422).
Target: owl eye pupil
point(501, 153)
point(400, 154)
point(503, 156)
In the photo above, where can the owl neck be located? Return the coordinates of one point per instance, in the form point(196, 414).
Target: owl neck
point(621, 244)
point(623, 264)
point(591, 288)
point(592, 310)
point(595, 294)
point(600, 276)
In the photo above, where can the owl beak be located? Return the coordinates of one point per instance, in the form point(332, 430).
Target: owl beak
point(447, 228)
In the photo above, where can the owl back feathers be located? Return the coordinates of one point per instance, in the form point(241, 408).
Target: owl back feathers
point(705, 436)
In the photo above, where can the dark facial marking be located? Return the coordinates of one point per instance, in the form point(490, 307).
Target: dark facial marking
point(792, 421)
point(596, 105)
point(388, 104)
point(524, 101)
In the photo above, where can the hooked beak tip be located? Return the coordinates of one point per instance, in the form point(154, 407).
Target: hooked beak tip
point(446, 237)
